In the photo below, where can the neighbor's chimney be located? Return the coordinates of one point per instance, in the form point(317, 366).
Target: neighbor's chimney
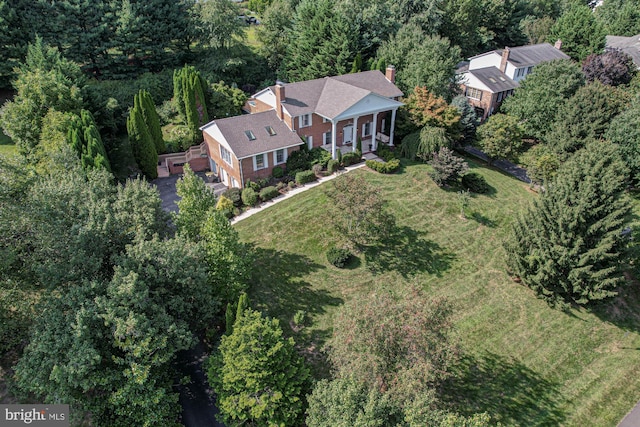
point(391, 73)
point(558, 44)
point(505, 58)
point(279, 99)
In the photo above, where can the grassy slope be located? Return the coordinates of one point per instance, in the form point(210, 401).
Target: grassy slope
point(523, 362)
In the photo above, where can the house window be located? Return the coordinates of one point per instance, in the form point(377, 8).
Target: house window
point(279, 156)
point(270, 130)
point(225, 154)
point(250, 135)
point(305, 120)
point(327, 138)
point(259, 162)
point(474, 93)
point(500, 96)
point(529, 70)
point(366, 129)
point(234, 183)
point(520, 72)
point(252, 103)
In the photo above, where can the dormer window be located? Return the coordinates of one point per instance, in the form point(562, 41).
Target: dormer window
point(250, 135)
point(270, 130)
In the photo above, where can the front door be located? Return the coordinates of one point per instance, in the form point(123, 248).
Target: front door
point(347, 134)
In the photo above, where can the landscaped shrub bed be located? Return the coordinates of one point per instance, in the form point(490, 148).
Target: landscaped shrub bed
point(332, 166)
point(389, 167)
point(249, 197)
point(305, 177)
point(384, 152)
point(338, 257)
point(235, 195)
point(350, 159)
point(475, 183)
point(268, 193)
point(277, 172)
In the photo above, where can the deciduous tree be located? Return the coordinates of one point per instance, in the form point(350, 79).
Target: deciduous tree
point(500, 137)
point(196, 200)
point(612, 68)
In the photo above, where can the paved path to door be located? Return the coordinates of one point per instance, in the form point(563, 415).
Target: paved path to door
point(503, 165)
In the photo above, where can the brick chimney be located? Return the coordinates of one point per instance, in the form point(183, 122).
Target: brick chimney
point(505, 58)
point(558, 44)
point(279, 99)
point(390, 73)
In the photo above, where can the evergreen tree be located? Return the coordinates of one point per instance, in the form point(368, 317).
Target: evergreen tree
point(190, 100)
point(257, 375)
point(322, 42)
point(243, 305)
point(196, 200)
point(468, 118)
point(151, 119)
point(144, 151)
point(624, 131)
point(579, 31)
point(229, 317)
point(568, 246)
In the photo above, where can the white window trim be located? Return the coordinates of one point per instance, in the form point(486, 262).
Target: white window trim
point(284, 156)
point(474, 90)
point(301, 124)
point(364, 129)
point(222, 156)
point(255, 163)
point(324, 138)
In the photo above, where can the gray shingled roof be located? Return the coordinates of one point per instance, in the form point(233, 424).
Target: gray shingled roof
point(524, 56)
point(494, 79)
point(330, 96)
point(233, 129)
point(629, 45)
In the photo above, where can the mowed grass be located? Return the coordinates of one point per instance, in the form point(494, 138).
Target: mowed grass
point(523, 362)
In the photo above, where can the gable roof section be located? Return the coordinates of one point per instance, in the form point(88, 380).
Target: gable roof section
point(629, 45)
point(368, 105)
point(330, 96)
point(494, 79)
point(232, 129)
point(524, 56)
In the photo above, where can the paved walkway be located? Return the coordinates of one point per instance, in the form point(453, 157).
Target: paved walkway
point(249, 212)
point(632, 419)
point(503, 165)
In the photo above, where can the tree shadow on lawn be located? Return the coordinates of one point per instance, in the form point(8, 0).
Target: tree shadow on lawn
point(279, 290)
point(404, 250)
point(623, 310)
point(507, 390)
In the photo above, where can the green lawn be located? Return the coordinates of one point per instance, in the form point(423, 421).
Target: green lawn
point(7, 147)
point(523, 362)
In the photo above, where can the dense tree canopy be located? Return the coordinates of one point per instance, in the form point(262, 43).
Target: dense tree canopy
point(537, 101)
point(500, 137)
point(612, 67)
point(624, 131)
point(620, 17)
point(580, 32)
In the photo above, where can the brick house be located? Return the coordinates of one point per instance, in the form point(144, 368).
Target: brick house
point(332, 113)
point(487, 79)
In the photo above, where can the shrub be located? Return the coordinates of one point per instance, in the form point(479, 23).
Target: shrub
point(268, 193)
point(385, 153)
point(235, 195)
point(249, 197)
point(350, 159)
point(318, 156)
point(338, 257)
point(277, 172)
point(280, 185)
point(291, 184)
point(252, 185)
point(447, 167)
point(332, 166)
point(317, 169)
point(389, 167)
point(298, 159)
point(262, 182)
point(225, 205)
point(300, 318)
point(305, 177)
point(475, 183)
point(339, 157)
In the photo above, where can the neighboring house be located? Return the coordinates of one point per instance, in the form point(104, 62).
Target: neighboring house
point(487, 79)
point(629, 45)
point(332, 113)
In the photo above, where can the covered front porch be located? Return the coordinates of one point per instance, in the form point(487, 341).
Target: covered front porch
point(360, 123)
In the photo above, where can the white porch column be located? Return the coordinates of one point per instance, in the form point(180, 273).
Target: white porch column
point(333, 139)
point(354, 137)
point(393, 125)
point(374, 130)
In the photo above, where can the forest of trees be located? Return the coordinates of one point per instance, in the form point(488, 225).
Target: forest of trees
point(101, 289)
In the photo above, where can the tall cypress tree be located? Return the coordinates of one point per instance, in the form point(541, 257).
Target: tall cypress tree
point(151, 119)
point(142, 146)
point(189, 97)
point(568, 246)
point(84, 138)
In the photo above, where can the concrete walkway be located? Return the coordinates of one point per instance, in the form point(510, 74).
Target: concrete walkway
point(503, 165)
point(632, 419)
point(252, 211)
